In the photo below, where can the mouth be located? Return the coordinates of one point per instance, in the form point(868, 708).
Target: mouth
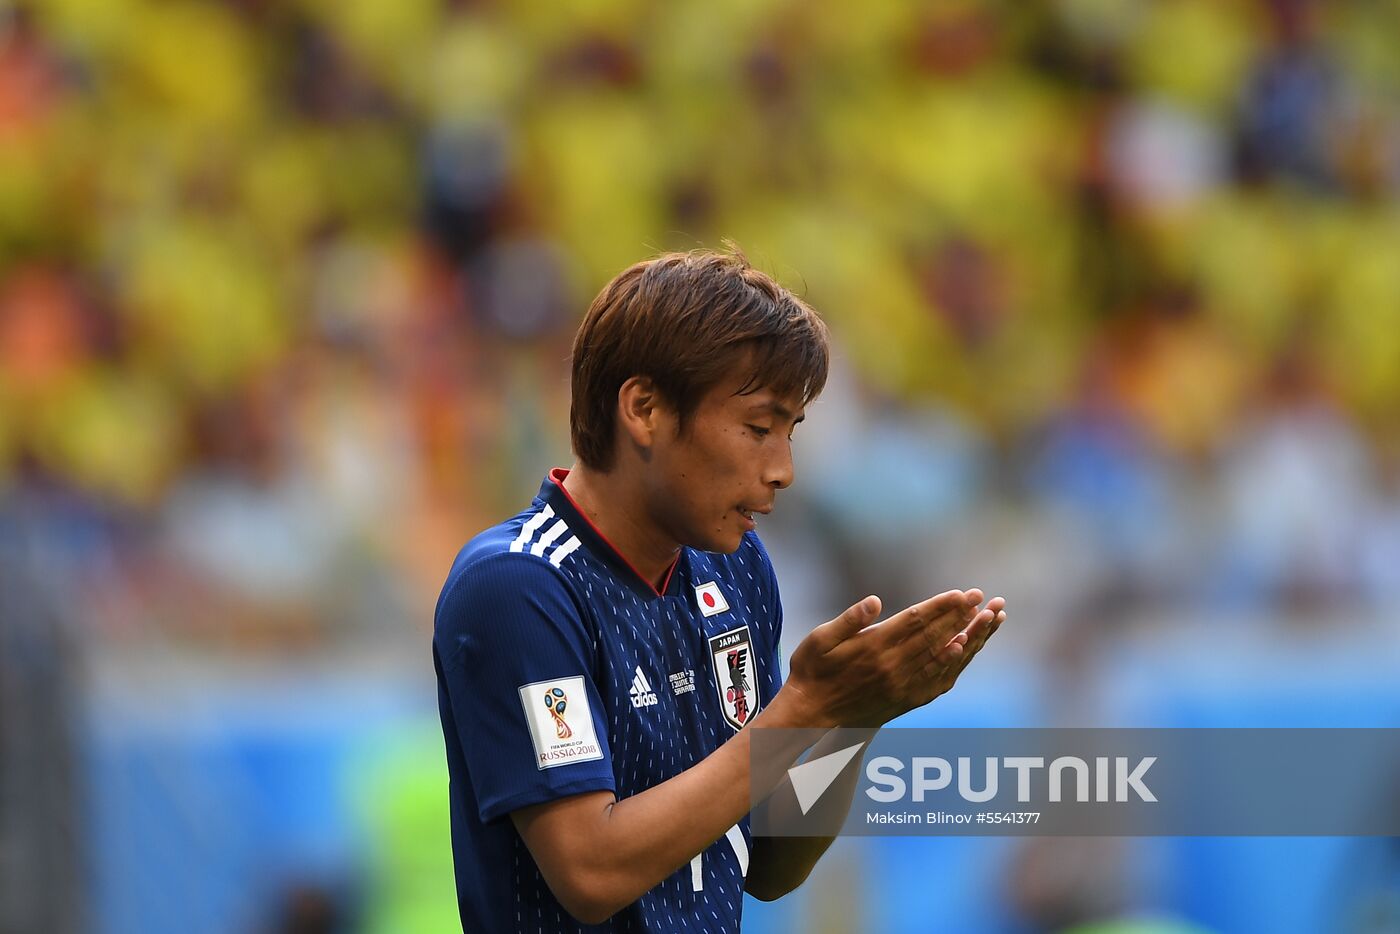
point(748, 512)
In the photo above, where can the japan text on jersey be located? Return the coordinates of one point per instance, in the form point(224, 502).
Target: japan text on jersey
point(562, 671)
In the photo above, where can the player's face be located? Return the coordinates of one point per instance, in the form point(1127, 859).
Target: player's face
point(710, 481)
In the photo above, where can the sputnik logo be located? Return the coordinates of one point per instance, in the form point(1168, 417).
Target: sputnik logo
point(811, 779)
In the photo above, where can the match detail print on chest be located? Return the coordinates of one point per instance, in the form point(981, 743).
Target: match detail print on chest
point(661, 663)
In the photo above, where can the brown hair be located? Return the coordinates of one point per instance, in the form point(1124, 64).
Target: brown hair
point(684, 321)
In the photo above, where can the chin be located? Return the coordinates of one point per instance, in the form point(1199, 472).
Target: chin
point(717, 543)
point(728, 545)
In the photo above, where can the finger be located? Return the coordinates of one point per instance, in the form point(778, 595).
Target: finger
point(851, 621)
point(949, 655)
point(952, 658)
point(947, 664)
point(952, 622)
point(923, 641)
point(952, 651)
point(996, 607)
point(942, 665)
point(916, 618)
point(975, 635)
point(979, 623)
point(978, 635)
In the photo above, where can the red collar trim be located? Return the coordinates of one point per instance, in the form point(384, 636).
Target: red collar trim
point(557, 476)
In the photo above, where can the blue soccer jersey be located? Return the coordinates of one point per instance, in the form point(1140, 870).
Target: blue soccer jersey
point(561, 670)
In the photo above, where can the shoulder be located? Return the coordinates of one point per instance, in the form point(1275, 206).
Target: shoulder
point(516, 565)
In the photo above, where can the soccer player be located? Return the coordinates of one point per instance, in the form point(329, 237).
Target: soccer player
point(603, 657)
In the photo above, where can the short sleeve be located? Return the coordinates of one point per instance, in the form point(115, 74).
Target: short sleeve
point(518, 663)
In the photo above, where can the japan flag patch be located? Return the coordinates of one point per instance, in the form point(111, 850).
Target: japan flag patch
point(710, 600)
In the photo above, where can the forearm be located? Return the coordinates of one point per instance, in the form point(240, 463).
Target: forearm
point(781, 864)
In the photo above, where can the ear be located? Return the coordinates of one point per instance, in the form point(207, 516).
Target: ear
point(640, 411)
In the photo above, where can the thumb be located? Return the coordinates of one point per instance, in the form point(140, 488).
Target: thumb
point(855, 618)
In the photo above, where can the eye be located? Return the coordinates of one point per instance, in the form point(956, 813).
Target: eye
point(760, 432)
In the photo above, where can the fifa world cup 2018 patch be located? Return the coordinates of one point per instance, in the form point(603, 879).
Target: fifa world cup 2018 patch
point(735, 673)
point(561, 725)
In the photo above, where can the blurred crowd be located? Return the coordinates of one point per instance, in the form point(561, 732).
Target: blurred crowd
point(287, 289)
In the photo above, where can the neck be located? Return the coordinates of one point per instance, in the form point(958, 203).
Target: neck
point(616, 504)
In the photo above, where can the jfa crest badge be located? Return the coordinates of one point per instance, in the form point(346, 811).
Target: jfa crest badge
point(736, 675)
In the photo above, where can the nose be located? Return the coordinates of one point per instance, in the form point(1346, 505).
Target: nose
point(778, 473)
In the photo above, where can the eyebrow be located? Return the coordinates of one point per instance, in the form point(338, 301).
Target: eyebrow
point(779, 410)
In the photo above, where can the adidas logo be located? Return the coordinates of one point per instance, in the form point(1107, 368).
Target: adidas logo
point(642, 694)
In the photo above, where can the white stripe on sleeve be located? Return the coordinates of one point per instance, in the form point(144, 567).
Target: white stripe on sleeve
point(531, 527)
point(547, 539)
point(564, 550)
